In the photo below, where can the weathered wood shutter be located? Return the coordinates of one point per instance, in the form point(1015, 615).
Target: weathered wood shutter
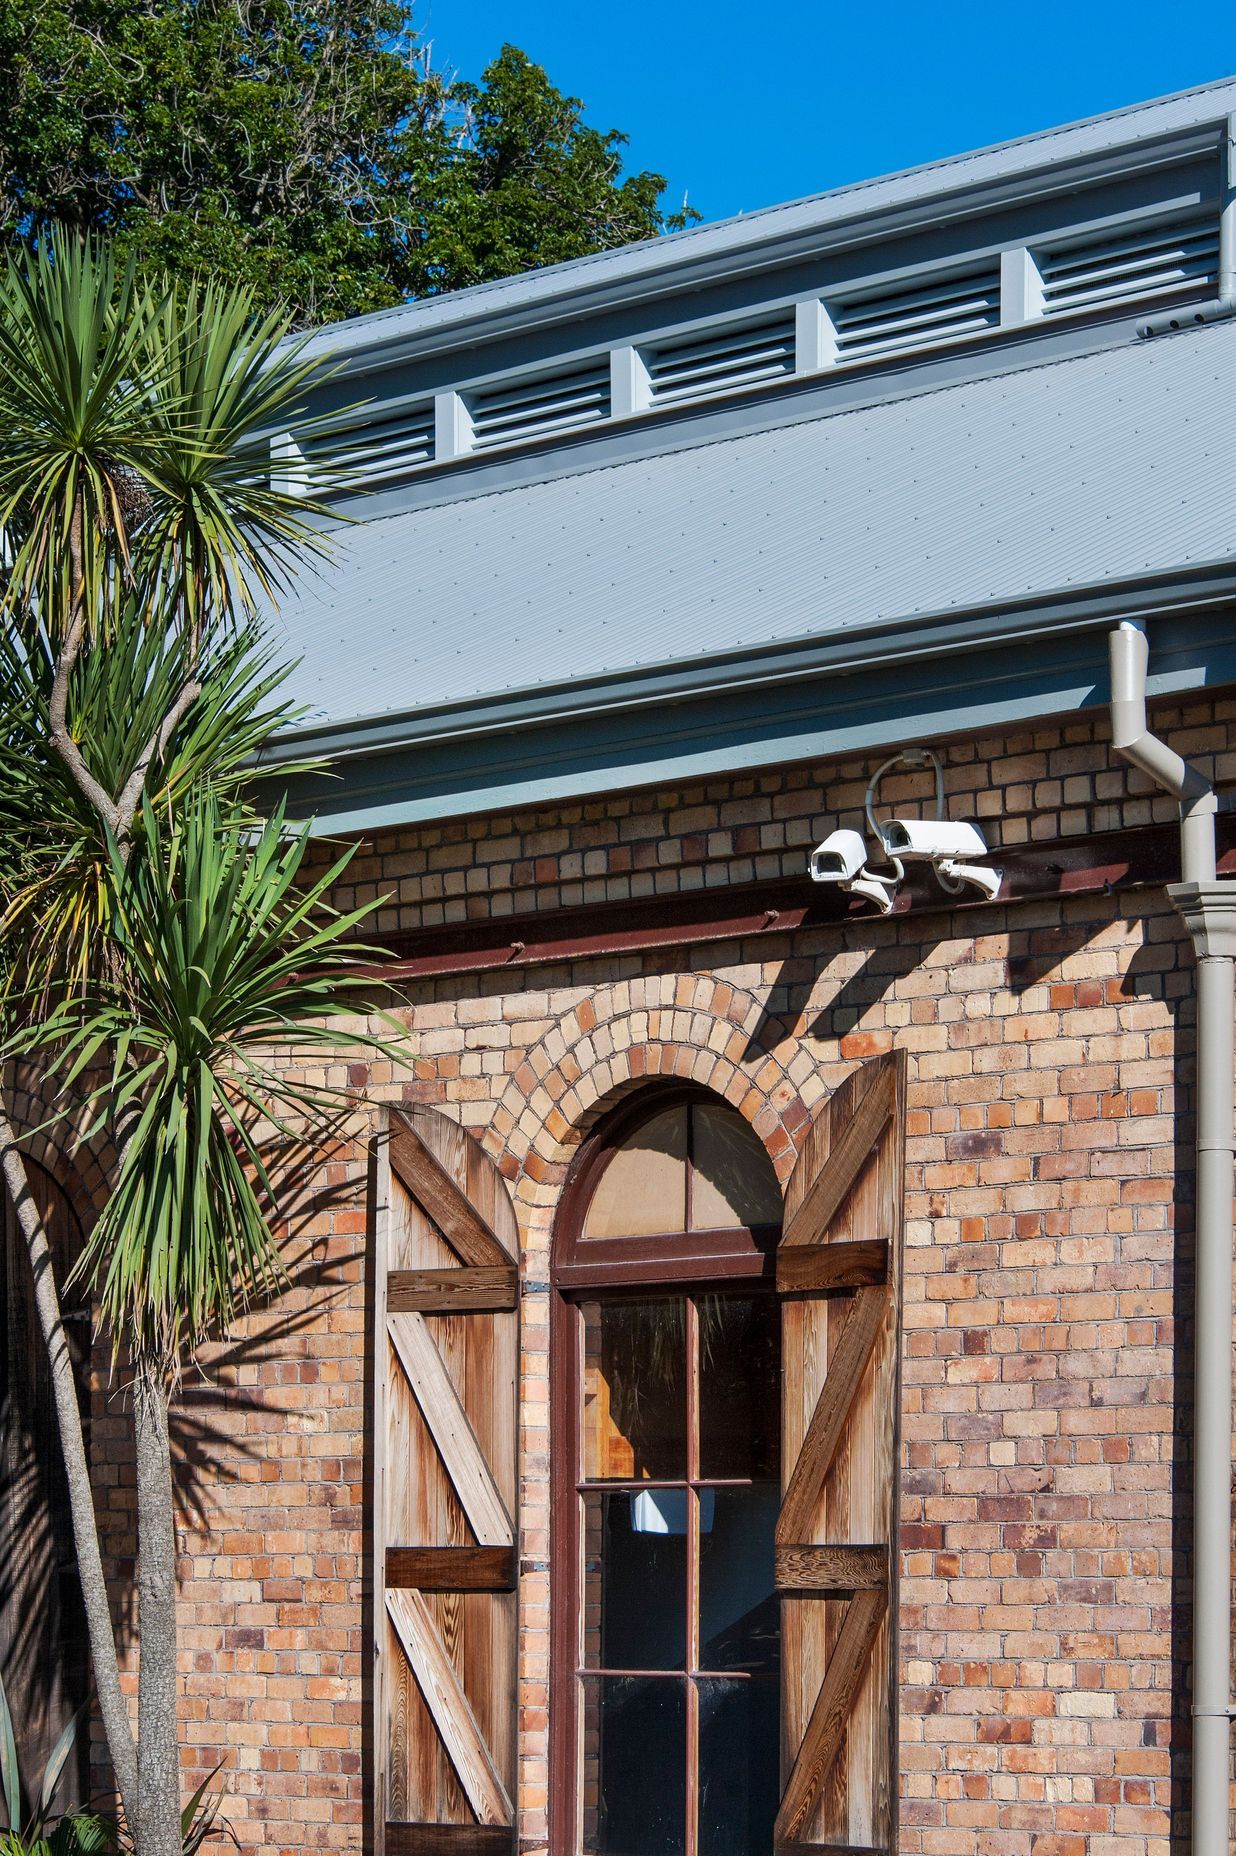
point(446, 1353)
point(839, 1275)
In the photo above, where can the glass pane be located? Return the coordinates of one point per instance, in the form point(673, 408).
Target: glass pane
point(738, 1611)
point(635, 1580)
point(740, 1377)
point(635, 1390)
point(643, 1190)
point(733, 1181)
point(634, 1765)
point(738, 1767)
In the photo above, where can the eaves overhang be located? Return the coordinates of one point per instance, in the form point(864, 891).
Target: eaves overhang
point(949, 675)
point(676, 681)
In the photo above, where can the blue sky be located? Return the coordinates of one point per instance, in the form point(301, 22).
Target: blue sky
point(744, 105)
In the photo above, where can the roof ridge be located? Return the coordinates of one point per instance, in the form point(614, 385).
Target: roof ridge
point(572, 267)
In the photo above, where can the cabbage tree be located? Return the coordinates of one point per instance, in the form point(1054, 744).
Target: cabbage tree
point(158, 941)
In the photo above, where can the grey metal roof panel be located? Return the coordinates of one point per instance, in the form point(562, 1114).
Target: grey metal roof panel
point(632, 268)
point(1104, 467)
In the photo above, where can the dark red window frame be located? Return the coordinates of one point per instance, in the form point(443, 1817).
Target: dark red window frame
point(582, 1267)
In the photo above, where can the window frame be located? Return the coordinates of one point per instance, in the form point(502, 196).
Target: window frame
point(676, 1258)
point(581, 1269)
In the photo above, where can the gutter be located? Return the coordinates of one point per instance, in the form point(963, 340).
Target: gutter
point(1207, 906)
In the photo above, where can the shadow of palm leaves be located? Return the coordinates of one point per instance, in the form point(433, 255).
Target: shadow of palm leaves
point(209, 1444)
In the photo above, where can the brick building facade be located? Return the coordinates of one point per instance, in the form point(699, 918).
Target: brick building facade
point(1045, 1414)
point(658, 558)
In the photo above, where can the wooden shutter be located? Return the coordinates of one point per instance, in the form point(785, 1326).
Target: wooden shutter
point(446, 1353)
point(839, 1275)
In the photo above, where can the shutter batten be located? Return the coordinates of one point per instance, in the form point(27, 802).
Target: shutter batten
point(839, 1274)
point(446, 1340)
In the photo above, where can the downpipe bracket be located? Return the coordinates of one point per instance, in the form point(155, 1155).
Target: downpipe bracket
point(1208, 911)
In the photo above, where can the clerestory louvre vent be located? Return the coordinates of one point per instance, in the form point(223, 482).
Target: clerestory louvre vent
point(524, 409)
point(916, 316)
point(1163, 262)
point(380, 451)
point(720, 360)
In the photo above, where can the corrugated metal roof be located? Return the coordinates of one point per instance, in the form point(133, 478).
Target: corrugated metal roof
point(1049, 478)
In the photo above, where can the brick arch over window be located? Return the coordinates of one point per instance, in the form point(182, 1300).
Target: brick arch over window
point(691, 1027)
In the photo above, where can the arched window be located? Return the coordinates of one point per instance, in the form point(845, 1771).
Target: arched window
point(666, 1460)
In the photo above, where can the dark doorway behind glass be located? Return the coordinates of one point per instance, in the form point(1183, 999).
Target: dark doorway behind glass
point(679, 1635)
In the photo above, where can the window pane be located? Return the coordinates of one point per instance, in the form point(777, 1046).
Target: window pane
point(733, 1181)
point(643, 1190)
point(738, 1767)
point(740, 1374)
point(635, 1580)
point(635, 1766)
point(738, 1609)
point(635, 1390)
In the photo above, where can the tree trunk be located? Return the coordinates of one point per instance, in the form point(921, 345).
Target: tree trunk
point(158, 1755)
point(112, 1706)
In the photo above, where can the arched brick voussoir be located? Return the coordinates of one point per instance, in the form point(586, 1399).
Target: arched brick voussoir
point(691, 1027)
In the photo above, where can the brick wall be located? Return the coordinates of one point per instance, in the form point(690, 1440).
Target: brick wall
point(1059, 781)
point(1047, 1270)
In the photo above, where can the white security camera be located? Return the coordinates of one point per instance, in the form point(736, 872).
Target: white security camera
point(948, 844)
point(839, 859)
point(842, 859)
point(931, 840)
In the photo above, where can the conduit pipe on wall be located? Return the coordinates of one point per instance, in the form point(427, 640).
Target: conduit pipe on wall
point(1208, 908)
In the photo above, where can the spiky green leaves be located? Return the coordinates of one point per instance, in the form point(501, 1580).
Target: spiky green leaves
point(137, 419)
point(226, 959)
point(33, 1827)
point(74, 408)
point(54, 896)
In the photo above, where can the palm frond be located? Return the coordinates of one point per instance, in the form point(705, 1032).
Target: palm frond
point(54, 894)
point(76, 359)
point(223, 532)
point(225, 957)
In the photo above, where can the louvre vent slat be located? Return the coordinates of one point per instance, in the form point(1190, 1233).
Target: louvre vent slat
point(976, 309)
point(904, 319)
point(721, 360)
point(1161, 261)
point(536, 408)
point(362, 456)
point(1165, 263)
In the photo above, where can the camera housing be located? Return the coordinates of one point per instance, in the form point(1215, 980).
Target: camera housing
point(951, 846)
point(842, 859)
point(932, 840)
point(839, 858)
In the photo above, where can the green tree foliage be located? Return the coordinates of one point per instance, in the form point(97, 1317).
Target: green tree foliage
point(303, 147)
point(157, 944)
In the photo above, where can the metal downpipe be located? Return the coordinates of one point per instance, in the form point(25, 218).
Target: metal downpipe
point(1208, 908)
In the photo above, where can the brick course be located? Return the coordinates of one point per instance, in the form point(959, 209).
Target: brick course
point(1045, 1405)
